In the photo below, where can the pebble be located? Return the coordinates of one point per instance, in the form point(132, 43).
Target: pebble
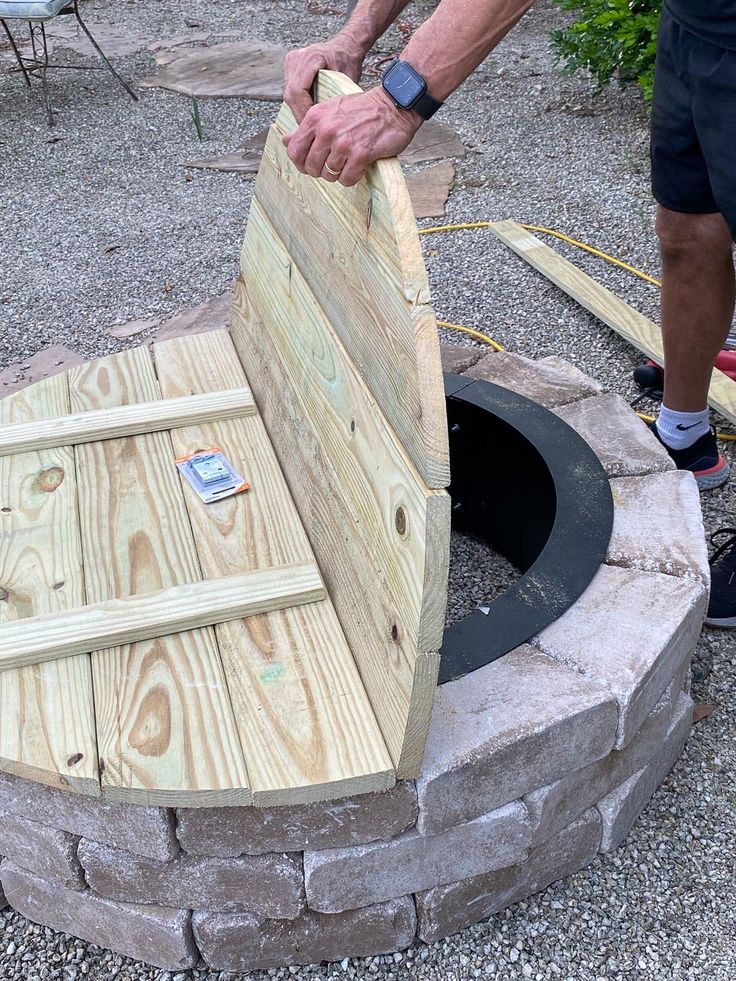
point(547, 151)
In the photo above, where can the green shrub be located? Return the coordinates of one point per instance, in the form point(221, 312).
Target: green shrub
point(611, 39)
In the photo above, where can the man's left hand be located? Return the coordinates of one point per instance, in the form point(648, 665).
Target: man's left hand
point(340, 139)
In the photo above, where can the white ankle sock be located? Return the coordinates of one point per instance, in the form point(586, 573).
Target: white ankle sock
point(681, 429)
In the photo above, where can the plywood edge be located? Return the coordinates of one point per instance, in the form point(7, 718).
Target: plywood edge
point(86, 786)
point(436, 573)
point(421, 703)
point(161, 797)
point(364, 783)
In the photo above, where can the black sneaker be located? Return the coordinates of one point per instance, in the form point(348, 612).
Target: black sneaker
point(722, 606)
point(702, 459)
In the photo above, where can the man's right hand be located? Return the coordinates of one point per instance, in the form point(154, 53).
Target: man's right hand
point(341, 54)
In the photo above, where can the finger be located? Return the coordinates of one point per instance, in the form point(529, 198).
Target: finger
point(334, 166)
point(314, 163)
point(299, 76)
point(353, 171)
point(299, 146)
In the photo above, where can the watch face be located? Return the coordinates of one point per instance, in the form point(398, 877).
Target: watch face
point(404, 85)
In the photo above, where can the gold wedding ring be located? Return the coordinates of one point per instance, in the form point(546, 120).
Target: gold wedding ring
point(335, 173)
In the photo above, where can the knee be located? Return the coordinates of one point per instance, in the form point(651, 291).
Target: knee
point(693, 238)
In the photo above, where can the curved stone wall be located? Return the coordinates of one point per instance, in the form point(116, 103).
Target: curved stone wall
point(535, 763)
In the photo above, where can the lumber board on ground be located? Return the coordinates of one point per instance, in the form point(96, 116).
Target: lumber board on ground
point(127, 420)
point(633, 326)
point(165, 727)
point(147, 616)
point(359, 251)
point(47, 727)
point(305, 722)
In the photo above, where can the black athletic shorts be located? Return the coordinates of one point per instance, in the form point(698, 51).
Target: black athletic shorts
point(694, 124)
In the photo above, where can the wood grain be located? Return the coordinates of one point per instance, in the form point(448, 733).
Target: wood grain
point(47, 729)
point(165, 727)
point(359, 251)
point(128, 420)
point(304, 718)
point(645, 335)
point(399, 678)
point(147, 616)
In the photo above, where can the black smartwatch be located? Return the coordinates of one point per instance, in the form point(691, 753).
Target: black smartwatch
point(408, 90)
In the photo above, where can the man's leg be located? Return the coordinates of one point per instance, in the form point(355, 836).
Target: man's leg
point(698, 293)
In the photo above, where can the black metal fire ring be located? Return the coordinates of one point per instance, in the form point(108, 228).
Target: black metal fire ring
point(527, 484)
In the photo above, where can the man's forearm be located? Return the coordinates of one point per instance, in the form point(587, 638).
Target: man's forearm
point(370, 19)
point(458, 36)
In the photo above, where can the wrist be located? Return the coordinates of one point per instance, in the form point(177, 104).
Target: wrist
point(355, 41)
point(439, 86)
point(389, 106)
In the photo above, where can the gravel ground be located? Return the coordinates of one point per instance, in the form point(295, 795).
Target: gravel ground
point(547, 152)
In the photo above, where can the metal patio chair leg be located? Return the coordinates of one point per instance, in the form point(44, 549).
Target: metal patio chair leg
point(41, 64)
point(16, 52)
point(101, 53)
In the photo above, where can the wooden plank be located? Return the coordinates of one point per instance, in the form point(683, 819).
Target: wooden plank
point(165, 727)
point(359, 251)
point(369, 462)
point(633, 326)
point(304, 718)
point(128, 420)
point(47, 728)
point(386, 571)
point(112, 623)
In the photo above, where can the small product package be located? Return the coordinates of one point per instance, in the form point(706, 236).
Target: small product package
point(211, 475)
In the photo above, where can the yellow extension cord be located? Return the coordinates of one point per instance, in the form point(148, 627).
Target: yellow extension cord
point(563, 238)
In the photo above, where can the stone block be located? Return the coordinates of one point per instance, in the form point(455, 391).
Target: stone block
point(451, 908)
point(550, 382)
point(242, 942)
point(347, 878)
point(620, 440)
point(631, 631)
point(44, 851)
point(457, 358)
point(231, 831)
point(516, 724)
point(159, 936)
point(620, 809)
point(658, 526)
point(553, 808)
point(143, 830)
point(269, 885)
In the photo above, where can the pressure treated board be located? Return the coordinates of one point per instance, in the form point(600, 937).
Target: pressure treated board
point(629, 323)
point(148, 616)
point(332, 323)
point(359, 251)
point(305, 722)
point(47, 729)
point(128, 420)
point(165, 728)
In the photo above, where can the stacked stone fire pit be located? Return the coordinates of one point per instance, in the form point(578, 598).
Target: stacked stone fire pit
point(535, 764)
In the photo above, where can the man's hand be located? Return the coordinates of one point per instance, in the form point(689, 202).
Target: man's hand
point(341, 138)
point(341, 54)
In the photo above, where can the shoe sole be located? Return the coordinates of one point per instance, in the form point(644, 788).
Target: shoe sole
point(710, 479)
point(725, 623)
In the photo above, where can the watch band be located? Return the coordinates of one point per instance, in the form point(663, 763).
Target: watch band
point(426, 106)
